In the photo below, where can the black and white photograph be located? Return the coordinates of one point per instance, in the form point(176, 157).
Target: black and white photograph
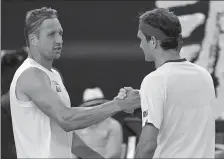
point(112, 79)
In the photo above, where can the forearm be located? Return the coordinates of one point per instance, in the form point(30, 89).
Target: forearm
point(82, 117)
point(145, 151)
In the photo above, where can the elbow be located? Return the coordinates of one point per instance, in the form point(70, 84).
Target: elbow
point(64, 120)
point(152, 147)
point(66, 125)
point(147, 151)
point(66, 128)
point(67, 121)
point(150, 151)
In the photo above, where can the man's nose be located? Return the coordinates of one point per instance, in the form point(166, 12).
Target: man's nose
point(58, 39)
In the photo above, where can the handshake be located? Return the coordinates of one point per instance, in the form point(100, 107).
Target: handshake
point(128, 99)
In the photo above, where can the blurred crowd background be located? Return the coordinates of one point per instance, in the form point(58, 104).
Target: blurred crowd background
point(101, 50)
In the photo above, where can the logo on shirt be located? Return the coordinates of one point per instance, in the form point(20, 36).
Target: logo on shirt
point(145, 113)
point(57, 86)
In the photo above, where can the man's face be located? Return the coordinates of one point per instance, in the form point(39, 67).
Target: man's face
point(145, 46)
point(49, 43)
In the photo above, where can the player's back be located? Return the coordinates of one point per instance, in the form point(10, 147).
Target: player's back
point(188, 125)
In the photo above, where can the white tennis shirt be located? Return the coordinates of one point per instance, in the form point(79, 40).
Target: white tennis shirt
point(177, 98)
point(36, 135)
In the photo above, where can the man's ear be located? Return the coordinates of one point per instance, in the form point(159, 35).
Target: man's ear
point(153, 42)
point(33, 39)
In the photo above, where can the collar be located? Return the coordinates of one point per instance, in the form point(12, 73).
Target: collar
point(177, 60)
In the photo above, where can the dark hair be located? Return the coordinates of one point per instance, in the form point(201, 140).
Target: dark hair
point(168, 23)
point(34, 19)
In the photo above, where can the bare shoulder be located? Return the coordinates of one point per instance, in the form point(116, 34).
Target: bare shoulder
point(58, 73)
point(32, 78)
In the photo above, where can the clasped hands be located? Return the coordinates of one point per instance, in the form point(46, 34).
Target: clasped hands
point(128, 99)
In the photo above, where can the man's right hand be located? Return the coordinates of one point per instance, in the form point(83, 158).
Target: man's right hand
point(131, 100)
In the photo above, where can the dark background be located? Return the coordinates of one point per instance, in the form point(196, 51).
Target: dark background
point(100, 45)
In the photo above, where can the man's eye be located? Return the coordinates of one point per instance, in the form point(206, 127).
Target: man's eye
point(51, 34)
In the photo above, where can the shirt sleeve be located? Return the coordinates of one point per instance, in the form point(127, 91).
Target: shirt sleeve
point(152, 95)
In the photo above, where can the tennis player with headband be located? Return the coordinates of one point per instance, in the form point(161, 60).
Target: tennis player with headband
point(176, 98)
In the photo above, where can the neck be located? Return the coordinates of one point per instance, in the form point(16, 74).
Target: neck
point(36, 56)
point(165, 56)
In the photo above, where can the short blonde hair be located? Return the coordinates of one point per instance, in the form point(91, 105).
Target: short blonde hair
point(34, 19)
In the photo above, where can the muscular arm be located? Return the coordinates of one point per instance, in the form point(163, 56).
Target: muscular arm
point(147, 142)
point(35, 84)
point(152, 101)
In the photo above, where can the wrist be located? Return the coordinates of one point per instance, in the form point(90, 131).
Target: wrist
point(117, 105)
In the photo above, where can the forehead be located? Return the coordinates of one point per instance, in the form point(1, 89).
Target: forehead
point(51, 24)
point(140, 34)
